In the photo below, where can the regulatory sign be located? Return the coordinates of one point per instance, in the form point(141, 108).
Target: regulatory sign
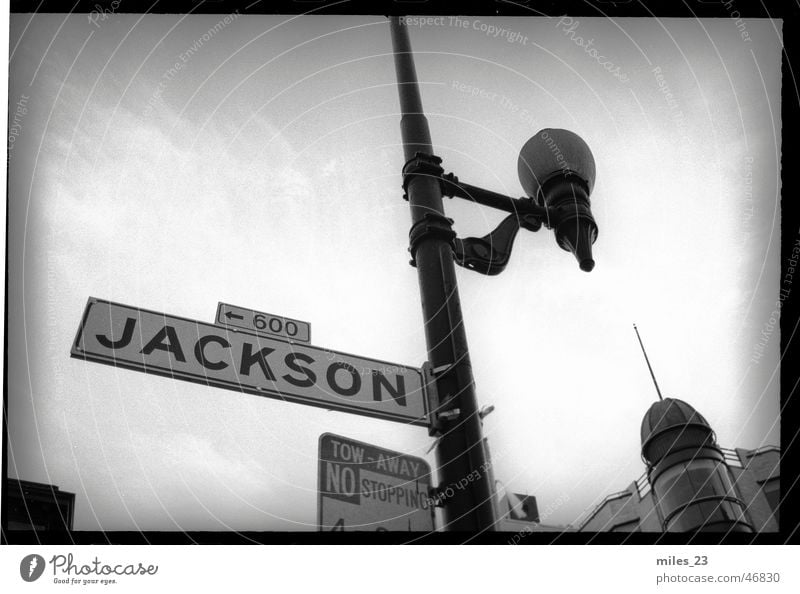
point(263, 323)
point(179, 348)
point(364, 487)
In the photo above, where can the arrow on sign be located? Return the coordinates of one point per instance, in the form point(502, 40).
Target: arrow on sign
point(262, 323)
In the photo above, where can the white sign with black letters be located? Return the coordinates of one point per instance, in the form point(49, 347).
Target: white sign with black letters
point(263, 323)
point(367, 488)
point(179, 348)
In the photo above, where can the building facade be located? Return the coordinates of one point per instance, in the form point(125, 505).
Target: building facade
point(692, 484)
point(37, 506)
point(755, 475)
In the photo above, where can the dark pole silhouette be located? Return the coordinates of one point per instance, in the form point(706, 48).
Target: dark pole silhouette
point(465, 491)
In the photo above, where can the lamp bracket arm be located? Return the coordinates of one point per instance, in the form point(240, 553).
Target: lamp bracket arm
point(488, 254)
point(528, 210)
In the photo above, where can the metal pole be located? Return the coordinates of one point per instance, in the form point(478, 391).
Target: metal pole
point(466, 489)
point(644, 352)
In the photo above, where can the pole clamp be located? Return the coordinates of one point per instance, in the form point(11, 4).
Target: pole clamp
point(421, 164)
point(450, 416)
point(449, 183)
point(438, 496)
point(431, 226)
point(438, 415)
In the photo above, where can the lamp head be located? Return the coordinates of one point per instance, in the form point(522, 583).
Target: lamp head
point(556, 169)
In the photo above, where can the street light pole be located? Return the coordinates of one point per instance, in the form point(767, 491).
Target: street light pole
point(465, 489)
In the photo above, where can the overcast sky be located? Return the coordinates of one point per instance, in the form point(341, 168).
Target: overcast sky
point(265, 172)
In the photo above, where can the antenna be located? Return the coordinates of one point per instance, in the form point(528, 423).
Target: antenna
point(648, 362)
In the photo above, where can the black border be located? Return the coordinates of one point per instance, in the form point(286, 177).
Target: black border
point(583, 8)
point(790, 223)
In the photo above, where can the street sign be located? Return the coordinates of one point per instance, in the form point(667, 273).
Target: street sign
point(522, 507)
point(263, 323)
point(364, 487)
point(143, 340)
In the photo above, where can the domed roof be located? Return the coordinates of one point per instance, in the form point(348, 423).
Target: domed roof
point(669, 413)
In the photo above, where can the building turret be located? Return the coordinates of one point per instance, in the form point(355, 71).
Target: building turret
point(687, 471)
